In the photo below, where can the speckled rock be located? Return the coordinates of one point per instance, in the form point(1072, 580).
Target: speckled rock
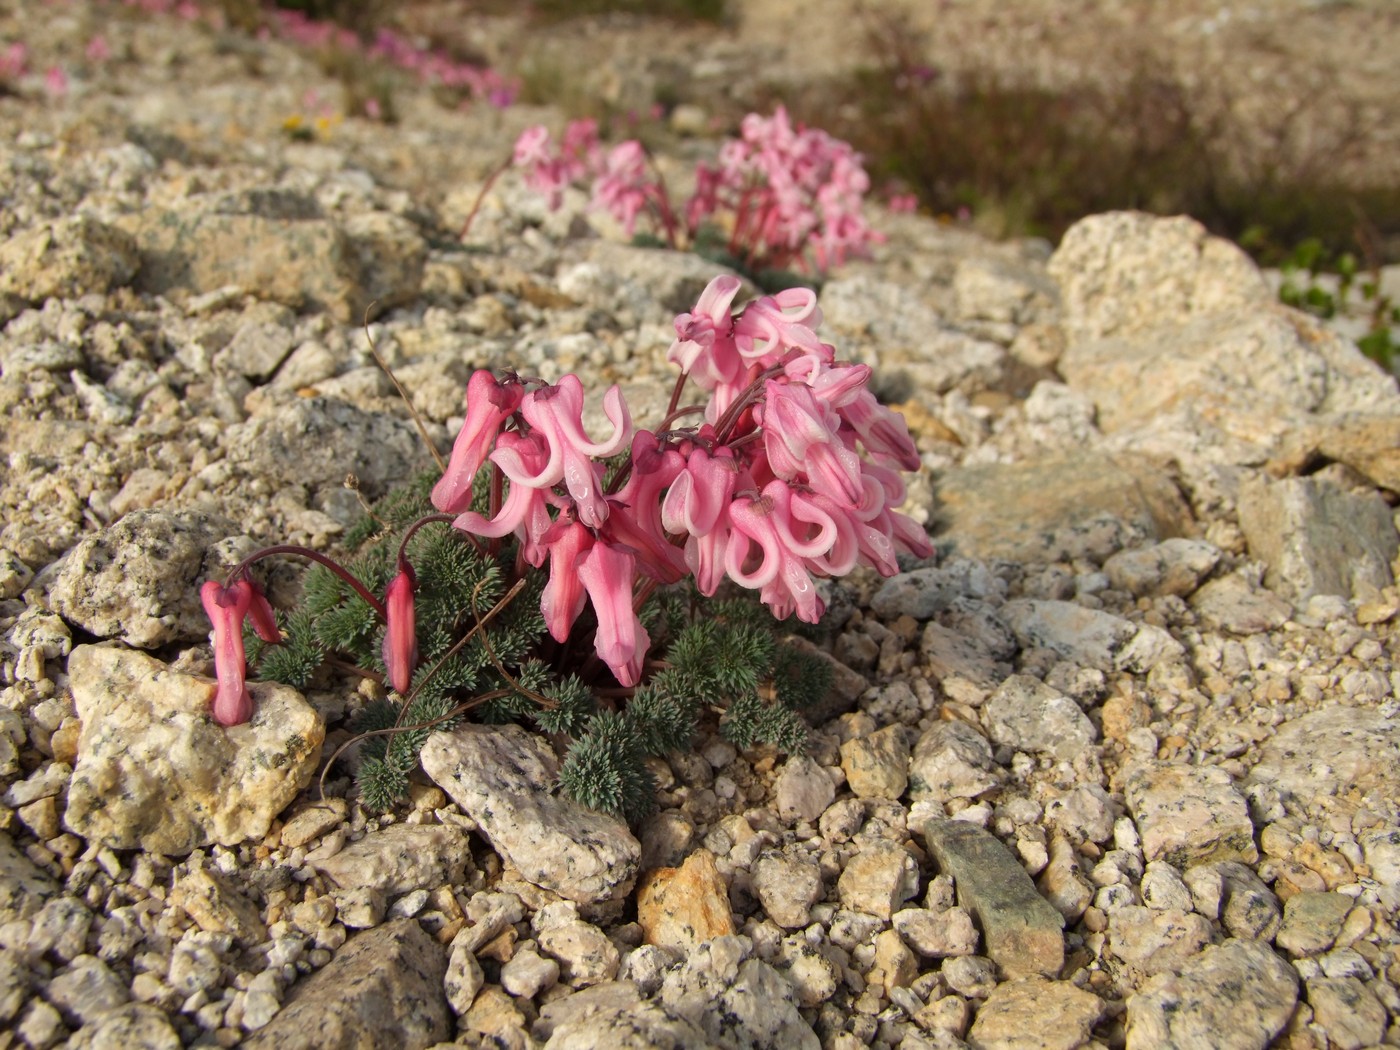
point(1326, 751)
point(1029, 715)
point(384, 986)
point(400, 858)
point(952, 760)
point(156, 772)
point(502, 777)
point(65, 259)
point(877, 765)
point(683, 907)
point(1035, 1014)
point(1234, 996)
point(139, 1026)
point(138, 580)
point(1189, 815)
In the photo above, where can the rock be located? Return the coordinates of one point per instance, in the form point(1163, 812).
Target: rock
point(738, 1002)
point(525, 976)
point(803, 790)
point(1347, 1011)
point(1312, 922)
point(1381, 847)
point(312, 821)
point(626, 1025)
point(937, 934)
point(1127, 272)
point(1330, 751)
point(1249, 909)
point(962, 665)
point(1233, 604)
point(1367, 443)
point(139, 1026)
point(1020, 929)
point(584, 953)
point(138, 581)
point(813, 976)
point(155, 771)
point(1154, 941)
point(787, 887)
point(1088, 637)
point(1175, 566)
point(400, 858)
point(1189, 815)
point(642, 282)
point(877, 765)
point(683, 907)
point(318, 441)
point(1051, 509)
point(217, 906)
point(491, 913)
point(1061, 881)
point(87, 990)
point(1035, 1014)
point(894, 965)
point(385, 986)
point(1234, 996)
point(502, 777)
point(923, 593)
point(1028, 715)
point(952, 760)
point(974, 976)
point(992, 289)
point(463, 978)
point(66, 259)
point(1317, 538)
point(24, 888)
point(878, 879)
point(294, 257)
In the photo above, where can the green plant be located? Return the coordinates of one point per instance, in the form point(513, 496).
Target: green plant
point(713, 656)
point(1321, 282)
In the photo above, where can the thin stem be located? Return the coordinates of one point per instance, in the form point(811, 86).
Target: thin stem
point(485, 189)
point(675, 397)
point(427, 519)
point(359, 588)
point(412, 409)
point(663, 200)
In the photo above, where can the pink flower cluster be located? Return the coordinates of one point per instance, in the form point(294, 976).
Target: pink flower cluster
point(793, 475)
point(789, 196)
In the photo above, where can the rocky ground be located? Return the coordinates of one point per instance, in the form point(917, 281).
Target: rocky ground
point(1118, 767)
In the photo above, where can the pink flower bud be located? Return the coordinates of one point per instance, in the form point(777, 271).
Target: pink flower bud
point(400, 633)
point(226, 607)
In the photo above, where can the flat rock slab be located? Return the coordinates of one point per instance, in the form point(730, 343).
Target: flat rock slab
point(1330, 752)
point(503, 778)
point(1189, 815)
point(1021, 930)
point(401, 858)
point(154, 770)
point(1035, 1014)
point(1234, 996)
point(1056, 508)
point(383, 988)
point(1029, 715)
point(1317, 538)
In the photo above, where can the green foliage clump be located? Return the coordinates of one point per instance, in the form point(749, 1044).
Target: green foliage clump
point(483, 646)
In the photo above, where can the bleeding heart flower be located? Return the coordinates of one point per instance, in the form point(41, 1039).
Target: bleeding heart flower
point(226, 607)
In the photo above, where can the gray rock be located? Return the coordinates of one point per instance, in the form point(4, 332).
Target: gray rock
point(60, 927)
point(400, 858)
point(627, 1025)
point(937, 935)
point(1381, 847)
point(1020, 929)
point(647, 283)
point(464, 978)
point(1347, 1011)
point(1088, 505)
point(952, 760)
point(787, 886)
point(923, 593)
point(1329, 751)
point(86, 990)
point(1317, 538)
point(66, 259)
point(257, 349)
point(526, 974)
point(155, 771)
point(1028, 715)
point(738, 1002)
point(14, 984)
point(385, 986)
point(1232, 603)
point(584, 953)
point(1312, 921)
point(974, 976)
point(1175, 566)
point(1189, 815)
point(1035, 1014)
point(318, 441)
point(991, 289)
point(24, 887)
point(1249, 909)
point(502, 777)
point(1154, 941)
point(138, 581)
point(1234, 996)
point(135, 1026)
point(963, 665)
point(812, 974)
point(803, 790)
point(1088, 637)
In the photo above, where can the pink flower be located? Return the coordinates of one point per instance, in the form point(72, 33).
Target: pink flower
point(400, 632)
point(700, 494)
point(97, 49)
point(882, 431)
point(556, 413)
point(264, 619)
point(14, 61)
point(226, 607)
point(776, 323)
point(608, 572)
point(782, 574)
point(56, 81)
point(489, 404)
point(801, 439)
point(623, 187)
point(704, 346)
point(635, 521)
point(567, 541)
point(526, 507)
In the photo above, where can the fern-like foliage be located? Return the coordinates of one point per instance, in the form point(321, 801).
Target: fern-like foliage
point(604, 769)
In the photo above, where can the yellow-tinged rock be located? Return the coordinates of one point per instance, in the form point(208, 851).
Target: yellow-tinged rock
point(686, 906)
